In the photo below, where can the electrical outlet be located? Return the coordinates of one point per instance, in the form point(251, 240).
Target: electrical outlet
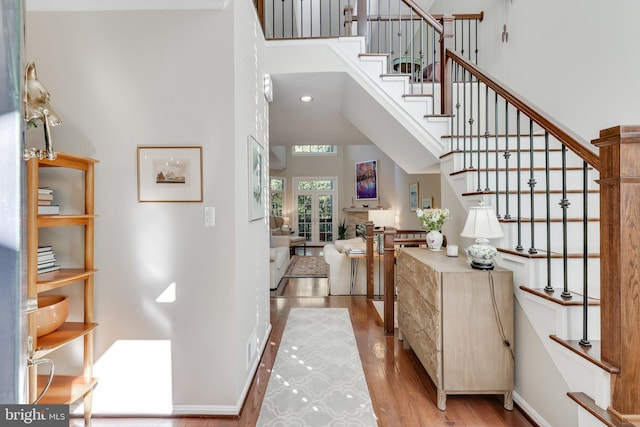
point(251, 348)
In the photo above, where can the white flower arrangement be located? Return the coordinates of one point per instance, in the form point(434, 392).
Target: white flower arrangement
point(432, 219)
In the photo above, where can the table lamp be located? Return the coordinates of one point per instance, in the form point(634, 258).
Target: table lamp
point(482, 224)
point(382, 218)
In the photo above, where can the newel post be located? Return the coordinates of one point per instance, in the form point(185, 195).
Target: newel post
point(362, 17)
point(369, 250)
point(446, 42)
point(620, 264)
point(389, 282)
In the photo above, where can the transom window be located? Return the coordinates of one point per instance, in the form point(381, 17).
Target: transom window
point(276, 187)
point(314, 150)
point(315, 184)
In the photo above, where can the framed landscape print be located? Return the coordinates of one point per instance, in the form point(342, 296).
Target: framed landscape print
point(256, 184)
point(367, 180)
point(427, 203)
point(413, 196)
point(169, 174)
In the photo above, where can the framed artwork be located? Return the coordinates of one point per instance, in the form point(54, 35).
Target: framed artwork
point(413, 197)
point(367, 180)
point(169, 174)
point(256, 184)
point(427, 202)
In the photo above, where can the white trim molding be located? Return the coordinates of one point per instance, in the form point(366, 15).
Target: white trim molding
point(226, 409)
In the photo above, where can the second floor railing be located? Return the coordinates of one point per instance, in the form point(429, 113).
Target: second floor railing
point(413, 39)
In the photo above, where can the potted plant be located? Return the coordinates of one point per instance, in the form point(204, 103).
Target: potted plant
point(432, 220)
point(342, 230)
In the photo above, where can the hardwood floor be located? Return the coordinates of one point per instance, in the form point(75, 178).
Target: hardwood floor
point(401, 391)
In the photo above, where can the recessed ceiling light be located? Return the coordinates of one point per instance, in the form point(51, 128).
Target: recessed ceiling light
point(306, 98)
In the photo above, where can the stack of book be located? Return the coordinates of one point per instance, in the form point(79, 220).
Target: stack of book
point(356, 251)
point(46, 260)
point(45, 202)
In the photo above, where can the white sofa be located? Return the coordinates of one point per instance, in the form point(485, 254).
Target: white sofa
point(340, 267)
point(279, 259)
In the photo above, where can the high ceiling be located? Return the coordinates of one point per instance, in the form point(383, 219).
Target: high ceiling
point(292, 121)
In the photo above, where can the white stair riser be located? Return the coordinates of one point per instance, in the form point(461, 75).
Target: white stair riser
point(538, 275)
point(574, 210)
point(381, 59)
point(489, 157)
point(573, 179)
point(574, 232)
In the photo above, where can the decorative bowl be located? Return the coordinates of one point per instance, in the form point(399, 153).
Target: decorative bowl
point(51, 313)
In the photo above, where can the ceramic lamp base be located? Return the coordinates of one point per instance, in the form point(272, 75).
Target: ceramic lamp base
point(481, 266)
point(481, 254)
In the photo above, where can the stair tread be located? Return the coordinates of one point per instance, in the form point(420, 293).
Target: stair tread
point(592, 354)
point(601, 414)
point(395, 75)
point(527, 219)
point(417, 95)
point(439, 115)
point(502, 150)
point(475, 170)
point(569, 191)
point(556, 296)
point(543, 254)
point(493, 135)
point(373, 54)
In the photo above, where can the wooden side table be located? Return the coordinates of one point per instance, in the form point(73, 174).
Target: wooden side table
point(459, 322)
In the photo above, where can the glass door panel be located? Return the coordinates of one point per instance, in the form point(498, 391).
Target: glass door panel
point(305, 216)
point(315, 209)
point(325, 218)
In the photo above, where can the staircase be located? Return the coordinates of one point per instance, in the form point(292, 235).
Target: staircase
point(553, 372)
point(547, 197)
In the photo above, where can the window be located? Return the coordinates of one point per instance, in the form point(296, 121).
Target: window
point(313, 150)
point(315, 184)
point(276, 189)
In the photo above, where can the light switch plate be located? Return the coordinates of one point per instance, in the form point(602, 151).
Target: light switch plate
point(209, 216)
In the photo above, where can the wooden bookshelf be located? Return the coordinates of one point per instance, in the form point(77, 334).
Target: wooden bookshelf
point(64, 389)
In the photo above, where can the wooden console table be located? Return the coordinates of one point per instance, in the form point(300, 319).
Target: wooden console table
point(446, 315)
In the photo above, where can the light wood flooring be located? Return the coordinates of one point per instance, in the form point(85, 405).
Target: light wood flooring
point(401, 391)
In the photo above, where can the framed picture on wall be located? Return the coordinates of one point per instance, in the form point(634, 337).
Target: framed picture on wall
point(256, 184)
point(413, 196)
point(367, 180)
point(169, 174)
point(427, 202)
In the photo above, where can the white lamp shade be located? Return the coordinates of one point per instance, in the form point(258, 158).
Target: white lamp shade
point(482, 223)
point(382, 217)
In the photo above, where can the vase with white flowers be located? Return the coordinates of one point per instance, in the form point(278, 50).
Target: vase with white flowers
point(432, 220)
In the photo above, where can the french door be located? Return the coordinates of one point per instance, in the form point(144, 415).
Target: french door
point(315, 209)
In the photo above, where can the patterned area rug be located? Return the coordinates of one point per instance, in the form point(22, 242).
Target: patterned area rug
point(317, 377)
point(307, 266)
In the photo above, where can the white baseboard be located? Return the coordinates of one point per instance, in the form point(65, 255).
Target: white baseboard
point(227, 409)
point(532, 413)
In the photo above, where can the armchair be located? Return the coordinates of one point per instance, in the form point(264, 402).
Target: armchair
point(340, 268)
point(280, 228)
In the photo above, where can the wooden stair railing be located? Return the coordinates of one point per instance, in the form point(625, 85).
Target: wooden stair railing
point(392, 239)
point(567, 137)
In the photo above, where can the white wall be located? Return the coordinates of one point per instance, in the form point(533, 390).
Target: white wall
point(123, 79)
point(573, 59)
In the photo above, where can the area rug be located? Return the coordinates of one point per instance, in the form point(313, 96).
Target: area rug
point(307, 266)
point(317, 377)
